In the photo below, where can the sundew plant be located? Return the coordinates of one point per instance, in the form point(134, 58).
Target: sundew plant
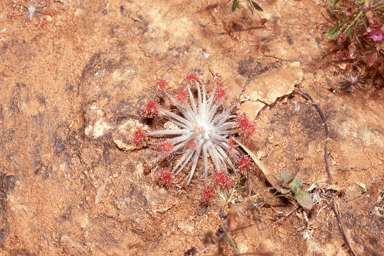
point(204, 130)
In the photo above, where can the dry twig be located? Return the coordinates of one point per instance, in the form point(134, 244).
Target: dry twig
point(327, 166)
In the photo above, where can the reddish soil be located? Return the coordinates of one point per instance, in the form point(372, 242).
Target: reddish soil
point(72, 87)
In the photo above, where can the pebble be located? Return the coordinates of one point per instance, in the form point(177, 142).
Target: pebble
point(58, 23)
point(201, 212)
point(223, 215)
point(7, 73)
point(48, 18)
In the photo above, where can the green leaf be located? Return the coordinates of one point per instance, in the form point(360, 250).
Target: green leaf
point(342, 25)
point(336, 2)
point(349, 30)
point(235, 4)
point(257, 7)
point(334, 35)
point(330, 32)
point(338, 31)
point(295, 185)
point(295, 189)
point(297, 182)
point(330, 2)
point(304, 199)
point(240, 187)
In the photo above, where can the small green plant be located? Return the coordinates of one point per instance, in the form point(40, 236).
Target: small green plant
point(359, 31)
point(302, 197)
point(286, 178)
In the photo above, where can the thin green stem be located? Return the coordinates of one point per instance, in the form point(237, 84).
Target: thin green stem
point(230, 238)
point(353, 22)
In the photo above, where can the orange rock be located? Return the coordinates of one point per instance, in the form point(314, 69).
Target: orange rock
point(8, 73)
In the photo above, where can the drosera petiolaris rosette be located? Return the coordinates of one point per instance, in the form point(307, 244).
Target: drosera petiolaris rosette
point(205, 126)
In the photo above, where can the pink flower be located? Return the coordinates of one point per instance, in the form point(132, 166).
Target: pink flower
point(376, 36)
point(375, 33)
